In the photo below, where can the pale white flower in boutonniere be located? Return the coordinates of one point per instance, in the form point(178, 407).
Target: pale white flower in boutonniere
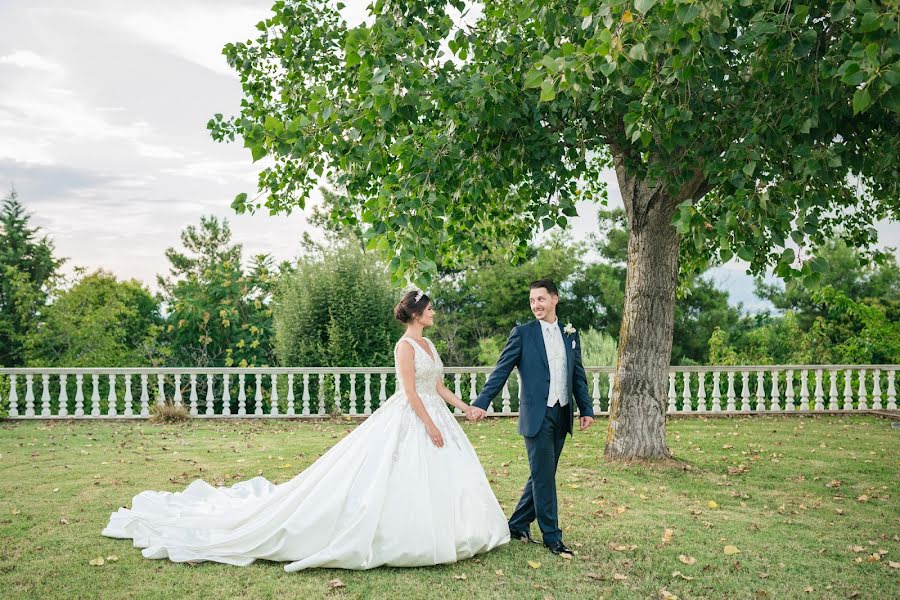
point(569, 329)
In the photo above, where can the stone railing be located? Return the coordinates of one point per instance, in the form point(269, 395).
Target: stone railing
point(54, 393)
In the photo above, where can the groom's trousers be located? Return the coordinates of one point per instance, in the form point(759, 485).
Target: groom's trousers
point(538, 499)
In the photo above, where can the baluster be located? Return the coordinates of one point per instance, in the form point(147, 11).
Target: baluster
point(832, 390)
point(382, 392)
point(13, 397)
point(111, 396)
point(804, 390)
point(473, 380)
point(95, 395)
point(876, 390)
point(457, 389)
point(305, 395)
point(257, 397)
point(490, 408)
point(160, 389)
point(79, 395)
point(861, 392)
point(505, 406)
point(226, 394)
point(242, 395)
point(671, 408)
point(29, 395)
point(775, 405)
point(367, 394)
point(609, 392)
point(760, 391)
point(891, 393)
point(129, 401)
point(63, 399)
point(273, 381)
point(178, 399)
point(352, 393)
point(701, 391)
point(145, 397)
point(686, 395)
point(45, 395)
point(848, 390)
point(716, 392)
point(789, 391)
point(290, 397)
point(321, 393)
point(210, 395)
point(729, 393)
point(193, 394)
point(819, 395)
point(337, 393)
point(745, 391)
point(595, 393)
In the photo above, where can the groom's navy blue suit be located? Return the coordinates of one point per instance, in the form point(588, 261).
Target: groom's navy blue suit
point(543, 427)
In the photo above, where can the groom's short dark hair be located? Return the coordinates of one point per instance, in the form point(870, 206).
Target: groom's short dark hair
point(545, 283)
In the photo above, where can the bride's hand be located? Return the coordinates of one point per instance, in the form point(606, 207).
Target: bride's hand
point(435, 434)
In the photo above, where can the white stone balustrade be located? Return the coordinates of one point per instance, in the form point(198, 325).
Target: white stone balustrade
point(271, 392)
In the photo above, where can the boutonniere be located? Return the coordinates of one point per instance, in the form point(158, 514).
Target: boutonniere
point(569, 329)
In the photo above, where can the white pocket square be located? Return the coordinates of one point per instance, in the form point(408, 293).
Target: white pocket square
point(573, 344)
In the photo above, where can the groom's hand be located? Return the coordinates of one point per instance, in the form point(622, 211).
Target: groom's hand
point(586, 422)
point(475, 413)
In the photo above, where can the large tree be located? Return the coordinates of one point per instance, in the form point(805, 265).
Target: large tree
point(733, 126)
point(28, 275)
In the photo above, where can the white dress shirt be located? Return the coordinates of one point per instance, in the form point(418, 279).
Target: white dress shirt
point(556, 360)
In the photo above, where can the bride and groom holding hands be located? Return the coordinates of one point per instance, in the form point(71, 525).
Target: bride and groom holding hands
point(405, 487)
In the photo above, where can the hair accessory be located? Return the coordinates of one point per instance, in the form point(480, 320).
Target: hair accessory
point(419, 295)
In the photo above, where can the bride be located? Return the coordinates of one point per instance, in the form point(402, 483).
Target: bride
point(405, 488)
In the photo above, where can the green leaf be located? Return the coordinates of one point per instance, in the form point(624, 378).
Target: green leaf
point(257, 151)
point(749, 168)
point(643, 6)
point(637, 52)
point(273, 125)
point(534, 78)
point(861, 100)
point(239, 204)
point(548, 91)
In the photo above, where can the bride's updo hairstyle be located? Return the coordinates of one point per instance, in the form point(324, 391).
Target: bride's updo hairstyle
point(411, 306)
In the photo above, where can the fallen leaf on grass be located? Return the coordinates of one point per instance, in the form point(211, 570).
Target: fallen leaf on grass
point(112, 558)
point(534, 564)
point(729, 550)
point(682, 575)
point(499, 572)
point(863, 498)
point(712, 504)
point(619, 577)
point(461, 576)
point(688, 560)
point(596, 576)
point(893, 564)
point(621, 547)
point(97, 562)
point(665, 594)
point(667, 536)
point(335, 584)
point(64, 521)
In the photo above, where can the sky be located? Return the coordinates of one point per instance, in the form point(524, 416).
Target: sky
point(103, 111)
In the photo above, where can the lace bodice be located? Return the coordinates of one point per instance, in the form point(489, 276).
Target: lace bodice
point(428, 370)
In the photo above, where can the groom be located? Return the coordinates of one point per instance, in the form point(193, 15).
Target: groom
point(548, 357)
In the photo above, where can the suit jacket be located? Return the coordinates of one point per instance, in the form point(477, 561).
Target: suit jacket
point(525, 349)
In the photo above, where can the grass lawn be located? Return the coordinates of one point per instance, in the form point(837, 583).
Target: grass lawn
point(811, 503)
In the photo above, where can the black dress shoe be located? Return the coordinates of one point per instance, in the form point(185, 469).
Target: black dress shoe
point(559, 548)
point(522, 536)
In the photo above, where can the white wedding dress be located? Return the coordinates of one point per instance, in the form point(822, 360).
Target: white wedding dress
point(383, 495)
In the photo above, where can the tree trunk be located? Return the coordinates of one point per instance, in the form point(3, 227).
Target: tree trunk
point(637, 418)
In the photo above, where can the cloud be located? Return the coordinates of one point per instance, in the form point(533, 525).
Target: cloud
point(26, 59)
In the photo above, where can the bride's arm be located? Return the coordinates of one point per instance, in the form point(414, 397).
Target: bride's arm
point(451, 398)
point(405, 358)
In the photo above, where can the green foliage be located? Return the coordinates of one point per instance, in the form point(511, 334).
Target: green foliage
point(335, 310)
point(98, 322)
point(878, 337)
point(219, 313)
point(598, 349)
point(760, 124)
point(28, 274)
